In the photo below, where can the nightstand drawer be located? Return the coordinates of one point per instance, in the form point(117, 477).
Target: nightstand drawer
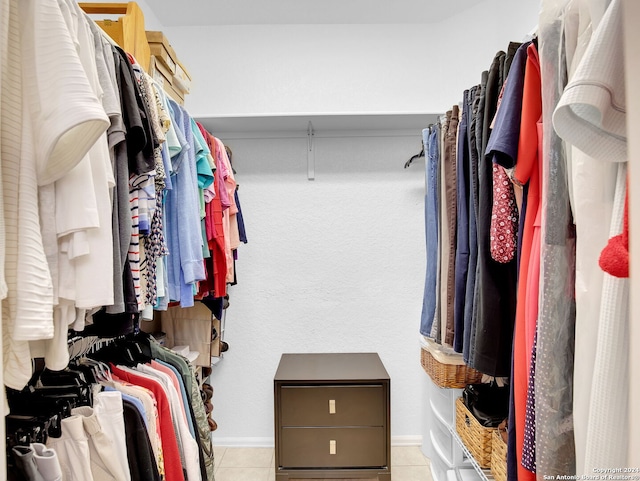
point(349, 405)
point(313, 448)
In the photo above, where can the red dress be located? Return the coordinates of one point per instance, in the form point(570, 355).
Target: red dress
point(528, 170)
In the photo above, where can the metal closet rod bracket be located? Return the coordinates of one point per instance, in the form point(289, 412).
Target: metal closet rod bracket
point(311, 155)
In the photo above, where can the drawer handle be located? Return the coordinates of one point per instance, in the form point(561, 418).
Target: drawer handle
point(332, 406)
point(332, 447)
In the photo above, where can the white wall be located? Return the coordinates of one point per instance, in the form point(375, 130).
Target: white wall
point(151, 21)
point(475, 35)
point(263, 69)
point(332, 265)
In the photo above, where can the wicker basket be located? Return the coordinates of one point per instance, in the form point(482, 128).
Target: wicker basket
point(475, 436)
point(498, 457)
point(454, 376)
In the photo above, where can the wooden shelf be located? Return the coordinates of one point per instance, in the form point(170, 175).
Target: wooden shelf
point(323, 124)
point(128, 31)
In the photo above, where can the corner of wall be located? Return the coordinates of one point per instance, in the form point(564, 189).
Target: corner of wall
point(151, 20)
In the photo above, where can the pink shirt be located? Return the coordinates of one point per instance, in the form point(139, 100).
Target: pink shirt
point(174, 380)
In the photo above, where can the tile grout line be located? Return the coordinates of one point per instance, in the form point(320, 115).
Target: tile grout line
point(412, 464)
point(217, 462)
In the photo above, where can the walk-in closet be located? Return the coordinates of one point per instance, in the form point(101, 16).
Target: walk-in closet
point(288, 240)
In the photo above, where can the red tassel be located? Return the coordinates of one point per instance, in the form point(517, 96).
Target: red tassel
point(614, 258)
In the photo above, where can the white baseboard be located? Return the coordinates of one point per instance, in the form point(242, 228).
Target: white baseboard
point(242, 442)
point(406, 440)
point(269, 443)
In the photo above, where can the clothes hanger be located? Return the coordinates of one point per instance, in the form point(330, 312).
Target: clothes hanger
point(36, 405)
point(417, 156)
point(84, 371)
point(89, 370)
point(23, 430)
point(65, 377)
point(75, 373)
point(114, 354)
point(50, 392)
point(97, 369)
point(129, 350)
point(142, 340)
point(139, 343)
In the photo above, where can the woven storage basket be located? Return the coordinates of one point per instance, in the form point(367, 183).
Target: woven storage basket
point(475, 436)
point(454, 376)
point(498, 457)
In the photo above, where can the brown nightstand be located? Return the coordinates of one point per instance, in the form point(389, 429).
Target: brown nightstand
point(332, 417)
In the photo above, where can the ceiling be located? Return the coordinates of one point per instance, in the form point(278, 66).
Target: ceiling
point(173, 13)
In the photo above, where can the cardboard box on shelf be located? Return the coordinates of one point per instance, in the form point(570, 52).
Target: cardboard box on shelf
point(173, 93)
point(181, 79)
point(162, 50)
point(161, 74)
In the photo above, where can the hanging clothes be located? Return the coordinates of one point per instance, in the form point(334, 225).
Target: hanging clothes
point(528, 171)
point(431, 147)
point(229, 209)
point(139, 453)
point(58, 142)
point(461, 264)
point(592, 185)
point(494, 301)
point(555, 448)
point(90, 434)
point(215, 230)
point(450, 131)
point(602, 155)
point(91, 218)
point(192, 391)
point(185, 236)
point(173, 470)
point(475, 134)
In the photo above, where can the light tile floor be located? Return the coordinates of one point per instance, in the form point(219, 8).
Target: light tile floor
point(258, 464)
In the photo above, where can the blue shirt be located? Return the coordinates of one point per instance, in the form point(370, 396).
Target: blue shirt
point(184, 234)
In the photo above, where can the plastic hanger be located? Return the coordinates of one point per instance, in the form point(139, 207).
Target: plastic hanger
point(25, 429)
point(417, 156)
point(130, 351)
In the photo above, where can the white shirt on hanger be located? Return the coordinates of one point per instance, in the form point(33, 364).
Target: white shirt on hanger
point(83, 202)
point(40, 142)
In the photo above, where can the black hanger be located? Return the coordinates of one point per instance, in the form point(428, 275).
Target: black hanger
point(35, 417)
point(23, 430)
point(129, 350)
point(417, 156)
point(66, 377)
point(38, 427)
point(114, 354)
point(83, 371)
point(46, 382)
point(48, 400)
